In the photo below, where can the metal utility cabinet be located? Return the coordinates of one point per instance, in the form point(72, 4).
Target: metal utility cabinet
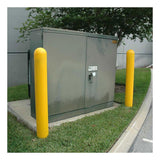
point(81, 71)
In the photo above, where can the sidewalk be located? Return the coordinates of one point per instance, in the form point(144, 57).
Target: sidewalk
point(126, 140)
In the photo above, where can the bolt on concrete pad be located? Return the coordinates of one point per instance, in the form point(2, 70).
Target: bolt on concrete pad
point(21, 109)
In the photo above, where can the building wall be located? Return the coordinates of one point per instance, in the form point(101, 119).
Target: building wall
point(143, 53)
point(17, 52)
point(17, 69)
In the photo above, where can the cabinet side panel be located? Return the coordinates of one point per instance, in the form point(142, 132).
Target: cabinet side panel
point(35, 42)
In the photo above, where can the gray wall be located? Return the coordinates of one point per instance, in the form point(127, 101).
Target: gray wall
point(17, 52)
point(141, 60)
point(143, 53)
point(17, 69)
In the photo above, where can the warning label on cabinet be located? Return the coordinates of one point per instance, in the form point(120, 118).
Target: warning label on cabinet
point(92, 68)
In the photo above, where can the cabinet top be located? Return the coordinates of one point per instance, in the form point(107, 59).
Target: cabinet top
point(73, 32)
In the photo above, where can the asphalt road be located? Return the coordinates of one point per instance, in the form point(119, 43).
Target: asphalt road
point(143, 142)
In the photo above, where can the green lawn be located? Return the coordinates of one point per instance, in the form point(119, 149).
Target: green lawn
point(91, 134)
point(18, 93)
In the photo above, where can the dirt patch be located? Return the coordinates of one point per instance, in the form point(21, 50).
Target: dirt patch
point(119, 88)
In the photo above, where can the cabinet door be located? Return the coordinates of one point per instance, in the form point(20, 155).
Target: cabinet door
point(66, 72)
point(100, 71)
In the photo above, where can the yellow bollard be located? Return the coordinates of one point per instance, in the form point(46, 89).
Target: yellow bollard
point(129, 78)
point(41, 95)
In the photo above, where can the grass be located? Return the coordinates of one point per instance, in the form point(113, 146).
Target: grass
point(91, 134)
point(18, 93)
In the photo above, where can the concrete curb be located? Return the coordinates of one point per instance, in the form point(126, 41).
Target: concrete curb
point(127, 138)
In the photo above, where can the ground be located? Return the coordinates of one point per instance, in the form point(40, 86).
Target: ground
point(119, 88)
point(90, 134)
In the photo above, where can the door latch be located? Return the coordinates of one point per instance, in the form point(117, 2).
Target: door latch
point(90, 77)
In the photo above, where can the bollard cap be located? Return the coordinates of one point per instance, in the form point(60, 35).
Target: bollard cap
point(40, 51)
point(130, 51)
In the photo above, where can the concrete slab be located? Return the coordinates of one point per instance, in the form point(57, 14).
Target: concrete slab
point(21, 109)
